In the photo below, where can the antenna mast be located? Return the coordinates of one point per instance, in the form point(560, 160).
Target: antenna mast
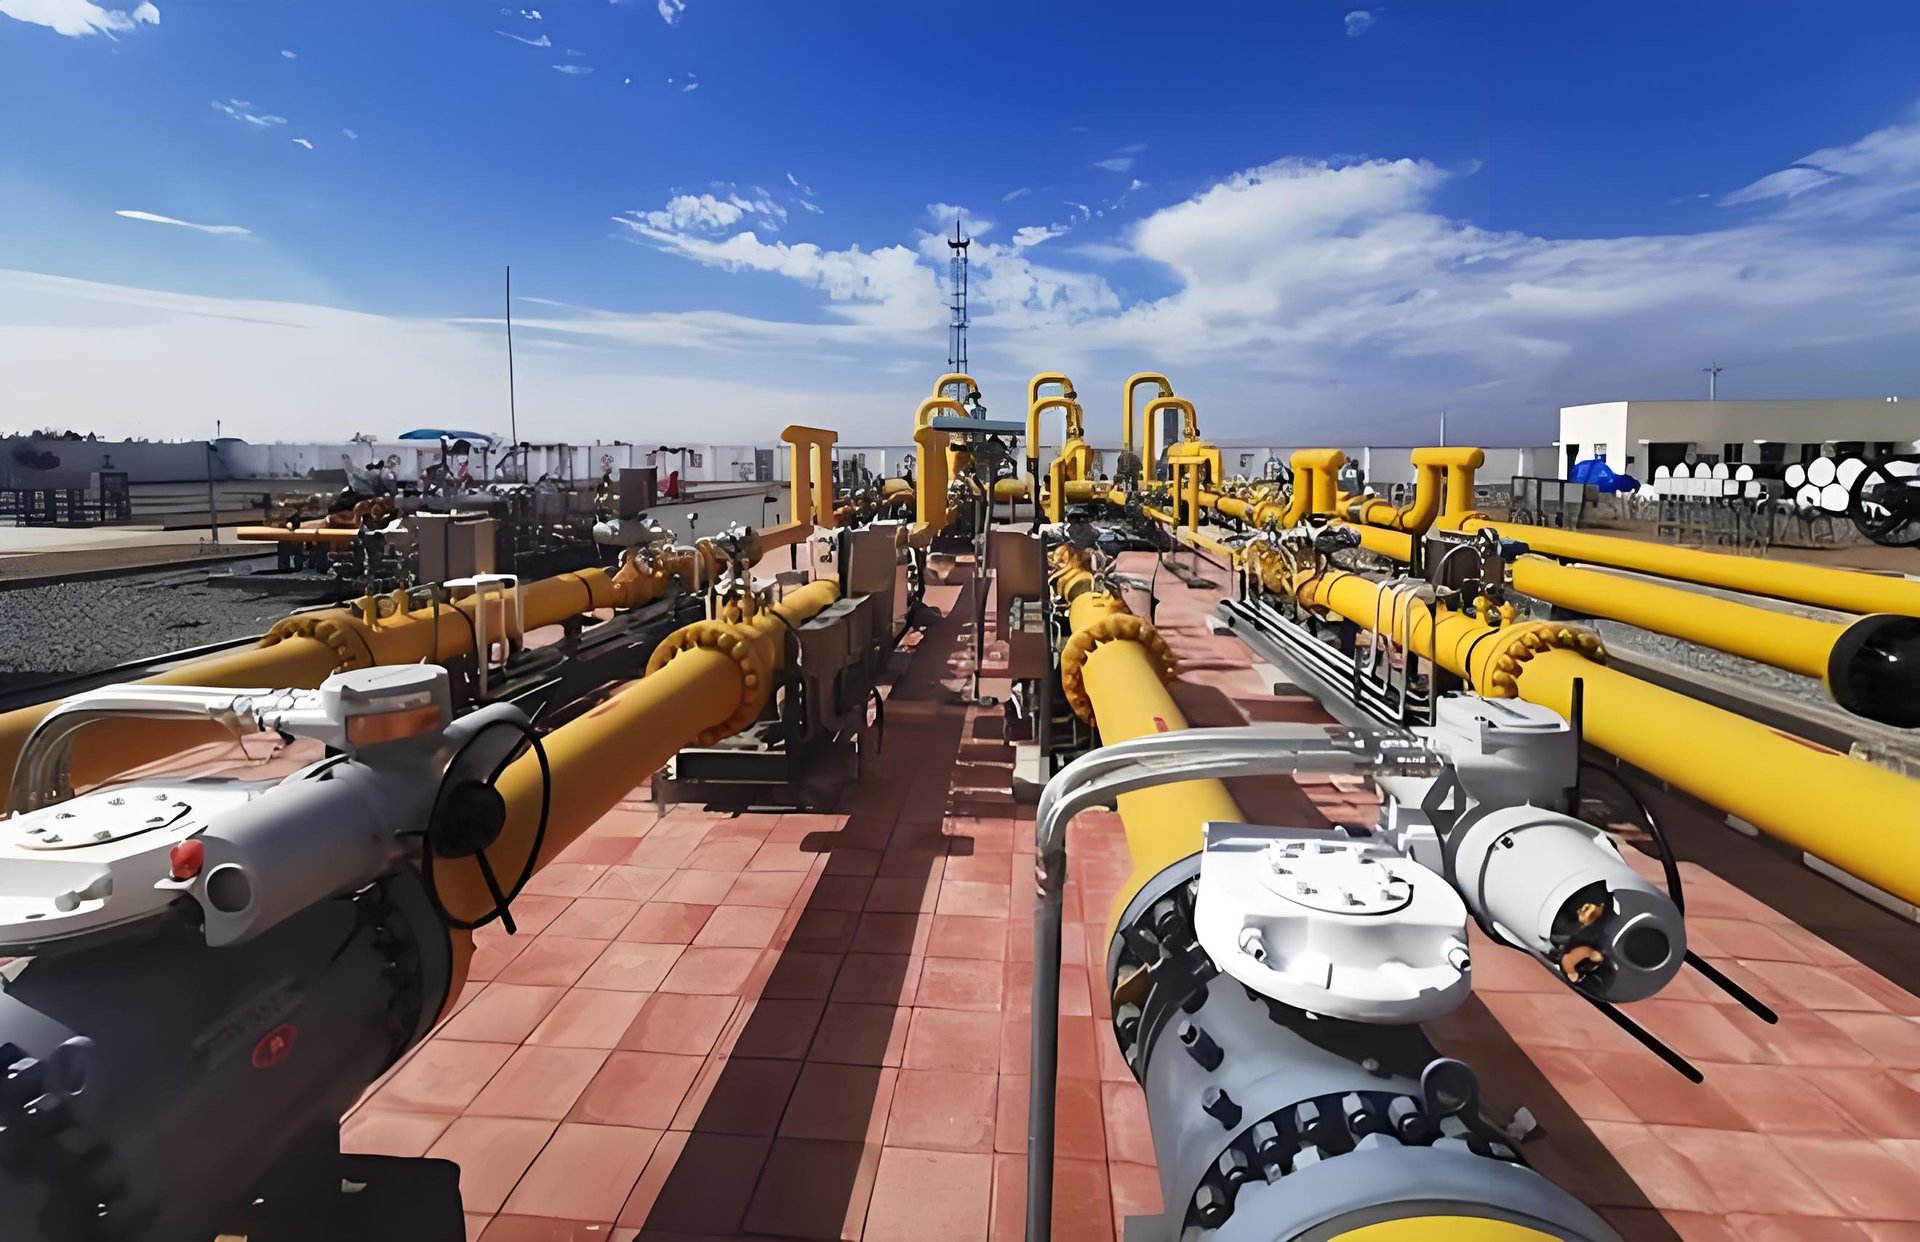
point(957, 328)
point(513, 410)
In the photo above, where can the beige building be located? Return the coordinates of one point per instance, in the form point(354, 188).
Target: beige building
point(1635, 437)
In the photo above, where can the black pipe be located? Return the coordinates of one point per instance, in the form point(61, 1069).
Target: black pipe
point(1874, 669)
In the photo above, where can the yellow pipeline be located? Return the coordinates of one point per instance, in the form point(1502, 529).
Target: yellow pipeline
point(1443, 1229)
point(1035, 409)
point(1114, 671)
point(1854, 815)
point(301, 651)
point(1150, 427)
point(1838, 589)
point(1133, 382)
point(931, 510)
point(707, 681)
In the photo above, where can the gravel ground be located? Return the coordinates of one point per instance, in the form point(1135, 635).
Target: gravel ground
point(78, 627)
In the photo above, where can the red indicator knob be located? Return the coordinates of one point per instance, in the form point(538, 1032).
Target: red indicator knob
point(186, 859)
point(274, 1047)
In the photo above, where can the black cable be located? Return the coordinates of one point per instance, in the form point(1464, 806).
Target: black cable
point(1669, 866)
point(502, 899)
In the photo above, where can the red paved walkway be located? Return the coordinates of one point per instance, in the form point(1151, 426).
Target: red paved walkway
point(816, 1025)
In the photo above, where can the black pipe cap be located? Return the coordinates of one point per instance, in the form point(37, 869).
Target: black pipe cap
point(1874, 669)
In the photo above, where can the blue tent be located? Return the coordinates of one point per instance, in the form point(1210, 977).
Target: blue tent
point(434, 433)
point(1598, 473)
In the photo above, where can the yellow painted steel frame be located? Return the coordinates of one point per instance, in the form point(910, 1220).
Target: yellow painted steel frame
point(1443, 1229)
point(705, 682)
point(1854, 815)
point(1134, 382)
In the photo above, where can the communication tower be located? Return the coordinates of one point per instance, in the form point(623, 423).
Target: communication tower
point(957, 328)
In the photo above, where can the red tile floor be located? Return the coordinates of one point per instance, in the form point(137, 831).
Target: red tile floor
point(816, 1026)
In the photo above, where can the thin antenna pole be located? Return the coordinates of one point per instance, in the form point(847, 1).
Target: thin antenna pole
point(1713, 375)
point(513, 411)
point(1443, 429)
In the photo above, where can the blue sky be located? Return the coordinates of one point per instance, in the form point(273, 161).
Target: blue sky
point(1325, 222)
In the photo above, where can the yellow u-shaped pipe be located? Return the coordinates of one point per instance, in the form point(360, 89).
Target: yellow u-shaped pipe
point(1133, 382)
point(1150, 427)
point(951, 378)
point(1041, 380)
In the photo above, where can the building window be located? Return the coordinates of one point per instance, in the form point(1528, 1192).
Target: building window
point(1772, 453)
point(1808, 452)
point(1731, 452)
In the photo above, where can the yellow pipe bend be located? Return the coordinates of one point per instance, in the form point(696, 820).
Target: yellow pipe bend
point(1134, 381)
point(951, 378)
point(1041, 380)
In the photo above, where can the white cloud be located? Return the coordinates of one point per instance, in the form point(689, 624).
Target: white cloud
point(1086, 212)
point(270, 368)
point(942, 215)
point(1133, 148)
point(151, 218)
point(241, 110)
point(574, 51)
point(540, 41)
point(1136, 184)
point(811, 207)
point(1119, 163)
point(1010, 195)
point(1863, 178)
point(793, 180)
point(710, 213)
point(303, 143)
point(670, 10)
point(349, 133)
point(75, 18)
point(1358, 22)
point(1034, 234)
point(574, 69)
point(691, 86)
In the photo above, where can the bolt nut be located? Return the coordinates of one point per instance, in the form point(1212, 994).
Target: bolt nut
point(1253, 944)
point(1266, 1137)
point(1212, 1205)
point(1221, 1107)
point(1232, 1166)
point(1200, 1046)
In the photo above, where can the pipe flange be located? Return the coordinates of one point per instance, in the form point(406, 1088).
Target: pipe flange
point(349, 645)
point(1512, 646)
point(732, 641)
point(1114, 627)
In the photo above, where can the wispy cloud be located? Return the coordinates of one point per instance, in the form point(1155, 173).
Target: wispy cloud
point(1136, 184)
point(242, 110)
point(574, 69)
point(814, 208)
point(289, 55)
point(302, 142)
point(1133, 148)
point(349, 133)
point(1358, 23)
point(1034, 234)
point(792, 180)
point(1119, 163)
point(537, 41)
point(574, 51)
point(942, 215)
point(75, 18)
point(1010, 195)
point(670, 10)
point(710, 213)
point(151, 218)
point(532, 15)
point(686, 82)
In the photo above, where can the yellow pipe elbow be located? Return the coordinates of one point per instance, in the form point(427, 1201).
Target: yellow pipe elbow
point(1459, 463)
point(1041, 380)
point(930, 498)
point(1133, 382)
point(955, 379)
